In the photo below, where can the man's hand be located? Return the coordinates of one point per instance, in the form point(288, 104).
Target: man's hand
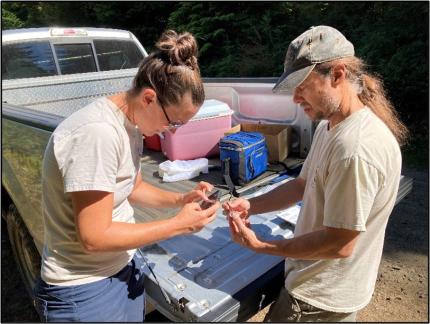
point(239, 207)
point(242, 233)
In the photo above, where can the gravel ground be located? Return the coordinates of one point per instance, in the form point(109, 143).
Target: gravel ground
point(401, 293)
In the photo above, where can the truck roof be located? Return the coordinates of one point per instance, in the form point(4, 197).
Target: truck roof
point(53, 32)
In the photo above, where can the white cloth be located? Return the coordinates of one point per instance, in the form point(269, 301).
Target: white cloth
point(179, 170)
point(95, 148)
point(352, 177)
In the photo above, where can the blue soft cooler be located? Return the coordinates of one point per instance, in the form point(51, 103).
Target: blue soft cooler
point(247, 153)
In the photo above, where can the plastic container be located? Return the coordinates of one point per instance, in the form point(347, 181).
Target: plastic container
point(200, 136)
point(153, 143)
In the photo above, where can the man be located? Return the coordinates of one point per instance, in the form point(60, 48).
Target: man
point(348, 184)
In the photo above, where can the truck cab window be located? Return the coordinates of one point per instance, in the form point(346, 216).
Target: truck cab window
point(27, 60)
point(117, 54)
point(75, 58)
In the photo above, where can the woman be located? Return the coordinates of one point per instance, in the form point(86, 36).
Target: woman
point(90, 271)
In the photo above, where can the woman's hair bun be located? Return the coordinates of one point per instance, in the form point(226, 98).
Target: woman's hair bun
point(179, 49)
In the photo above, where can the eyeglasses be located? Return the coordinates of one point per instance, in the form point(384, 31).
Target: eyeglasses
point(172, 125)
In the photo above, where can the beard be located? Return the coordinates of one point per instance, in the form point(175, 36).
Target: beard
point(329, 106)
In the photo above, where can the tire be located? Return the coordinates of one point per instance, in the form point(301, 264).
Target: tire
point(27, 257)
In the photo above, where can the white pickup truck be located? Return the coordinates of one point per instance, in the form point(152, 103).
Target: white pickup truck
point(49, 73)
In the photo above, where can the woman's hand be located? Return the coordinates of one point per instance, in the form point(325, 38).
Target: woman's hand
point(239, 207)
point(197, 194)
point(192, 218)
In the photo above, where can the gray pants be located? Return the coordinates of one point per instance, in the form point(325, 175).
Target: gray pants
point(288, 309)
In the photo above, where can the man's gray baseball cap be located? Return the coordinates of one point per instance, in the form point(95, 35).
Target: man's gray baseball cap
point(316, 45)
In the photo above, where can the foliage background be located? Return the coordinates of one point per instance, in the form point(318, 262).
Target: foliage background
point(250, 39)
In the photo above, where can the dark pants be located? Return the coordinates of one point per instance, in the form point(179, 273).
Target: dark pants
point(288, 309)
point(119, 298)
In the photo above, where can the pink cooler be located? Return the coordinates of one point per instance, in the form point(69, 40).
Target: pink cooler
point(200, 136)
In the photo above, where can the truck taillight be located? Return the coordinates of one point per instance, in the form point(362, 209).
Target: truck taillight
point(68, 32)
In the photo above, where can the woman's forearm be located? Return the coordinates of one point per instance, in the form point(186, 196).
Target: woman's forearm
point(124, 236)
point(146, 195)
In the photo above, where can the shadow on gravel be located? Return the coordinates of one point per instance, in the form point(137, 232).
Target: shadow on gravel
point(408, 225)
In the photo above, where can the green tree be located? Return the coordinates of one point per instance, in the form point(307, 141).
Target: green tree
point(250, 39)
point(10, 20)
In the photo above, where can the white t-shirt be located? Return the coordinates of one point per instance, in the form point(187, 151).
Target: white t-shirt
point(352, 177)
point(95, 148)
